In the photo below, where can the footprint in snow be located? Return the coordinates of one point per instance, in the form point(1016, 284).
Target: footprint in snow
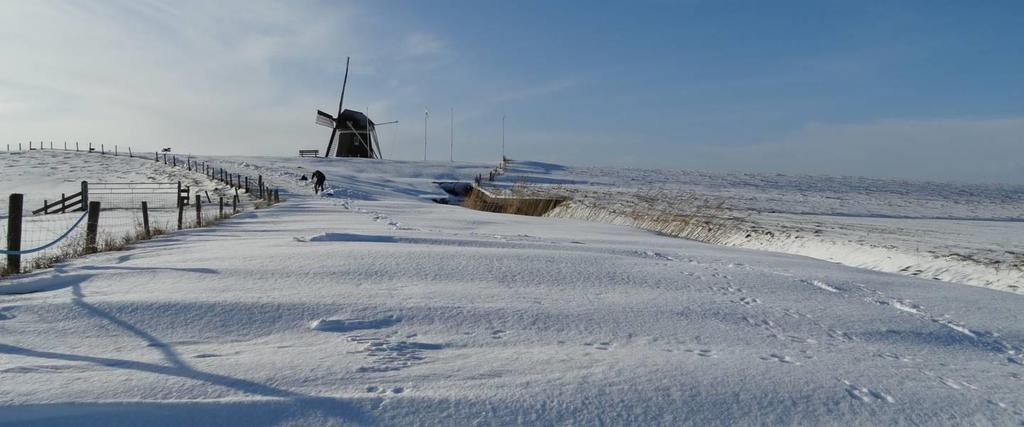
point(656, 255)
point(603, 345)
point(748, 301)
point(866, 395)
point(382, 390)
point(705, 352)
point(779, 358)
point(894, 356)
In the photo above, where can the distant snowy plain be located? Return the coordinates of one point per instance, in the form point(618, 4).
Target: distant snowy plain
point(963, 233)
point(373, 305)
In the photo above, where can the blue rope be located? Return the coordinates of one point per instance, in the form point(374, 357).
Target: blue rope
point(62, 236)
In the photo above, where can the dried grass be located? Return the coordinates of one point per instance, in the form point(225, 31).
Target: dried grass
point(520, 203)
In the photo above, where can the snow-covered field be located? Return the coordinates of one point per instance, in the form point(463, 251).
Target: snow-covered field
point(964, 233)
point(374, 305)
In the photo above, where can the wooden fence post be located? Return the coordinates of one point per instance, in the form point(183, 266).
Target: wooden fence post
point(65, 146)
point(145, 220)
point(14, 215)
point(234, 204)
point(199, 210)
point(221, 206)
point(92, 227)
point(85, 195)
point(130, 155)
point(181, 212)
point(260, 181)
point(247, 184)
point(115, 150)
point(76, 146)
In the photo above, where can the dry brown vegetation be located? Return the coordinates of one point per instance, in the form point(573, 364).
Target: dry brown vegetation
point(673, 213)
point(519, 203)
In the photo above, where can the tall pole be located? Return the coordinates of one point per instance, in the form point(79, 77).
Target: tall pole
point(451, 142)
point(337, 118)
point(503, 137)
point(426, 114)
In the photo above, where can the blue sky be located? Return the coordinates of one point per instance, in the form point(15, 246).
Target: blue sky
point(928, 90)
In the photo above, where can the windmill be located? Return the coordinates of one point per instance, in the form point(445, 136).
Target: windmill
point(356, 134)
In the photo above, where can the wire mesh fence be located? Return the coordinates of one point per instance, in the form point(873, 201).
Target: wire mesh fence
point(116, 215)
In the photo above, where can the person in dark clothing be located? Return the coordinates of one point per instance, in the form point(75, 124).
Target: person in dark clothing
point(318, 181)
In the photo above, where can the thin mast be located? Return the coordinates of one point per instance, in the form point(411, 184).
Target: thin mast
point(451, 143)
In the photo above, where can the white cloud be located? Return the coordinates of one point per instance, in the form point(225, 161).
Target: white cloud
point(193, 75)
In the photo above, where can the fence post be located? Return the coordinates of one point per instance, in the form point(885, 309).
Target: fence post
point(221, 207)
point(85, 194)
point(14, 215)
point(63, 203)
point(76, 146)
point(234, 204)
point(277, 196)
point(247, 184)
point(260, 179)
point(174, 161)
point(91, 227)
point(19, 147)
point(179, 194)
point(90, 147)
point(103, 150)
point(130, 155)
point(199, 210)
point(65, 146)
point(51, 145)
point(207, 196)
point(145, 220)
point(115, 150)
point(181, 211)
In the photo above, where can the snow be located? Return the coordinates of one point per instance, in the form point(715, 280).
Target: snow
point(374, 305)
point(964, 233)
